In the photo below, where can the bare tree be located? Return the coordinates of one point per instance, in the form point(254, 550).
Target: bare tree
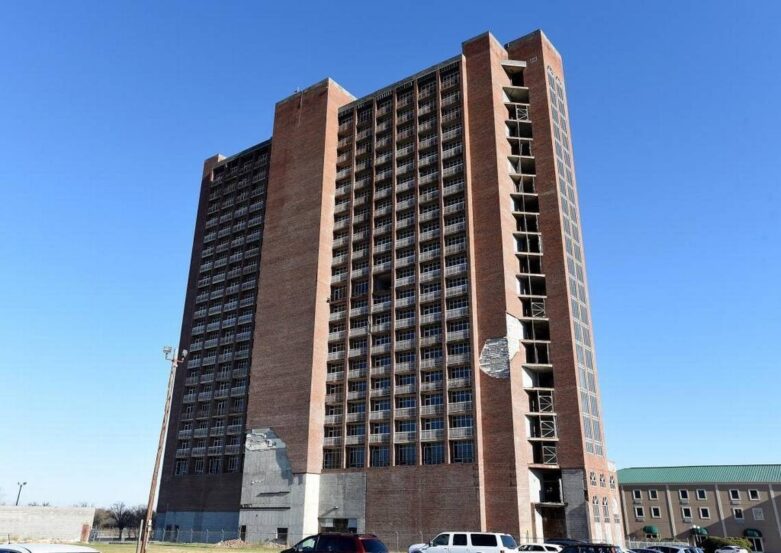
point(102, 518)
point(121, 515)
point(137, 516)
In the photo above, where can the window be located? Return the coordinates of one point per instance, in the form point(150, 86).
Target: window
point(405, 454)
point(756, 544)
point(758, 513)
point(753, 495)
point(636, 494)
point(737, 513)
point(461, 421)
point(639, 513)
point(332, 459)
point(683, 495)
point(306, 545)
point(461, 452)
point(441, 539)
point(656, 512)
point(380, 428)
point(686, 513)
point(702, 495)
point(181, 468)
point(406, 426)
point(432, 424)
point(484, 540)
point(459, 539)
point(734, 495)
point(355, 457)
point(653, 494)
point(432, 399)
point(704, 512)
point(433, 454)
point(374, 546)
point(380, 456)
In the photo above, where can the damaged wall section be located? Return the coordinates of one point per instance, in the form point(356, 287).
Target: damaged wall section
point(497, 353)
point(273, 498)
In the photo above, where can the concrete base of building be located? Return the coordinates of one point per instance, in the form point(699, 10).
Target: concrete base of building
point(197, 526)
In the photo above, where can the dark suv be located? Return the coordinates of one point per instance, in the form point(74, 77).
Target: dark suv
point(339, 543)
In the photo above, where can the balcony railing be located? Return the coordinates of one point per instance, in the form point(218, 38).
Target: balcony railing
point(404, 437)
point(432, 435)
point(462, 432)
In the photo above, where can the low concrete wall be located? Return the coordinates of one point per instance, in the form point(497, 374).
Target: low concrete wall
point(46, 523)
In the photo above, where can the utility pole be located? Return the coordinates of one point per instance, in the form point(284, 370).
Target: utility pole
point(146, 526)
point(19, 494)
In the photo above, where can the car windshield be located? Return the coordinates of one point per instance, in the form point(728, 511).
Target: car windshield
point(508, 541)
point(441, 539)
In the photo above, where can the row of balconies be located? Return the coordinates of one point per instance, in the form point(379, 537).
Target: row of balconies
point(400, 223)
point(248, 268)
point(448, 190)
point(400, 436)
point(215, 377)
point(338, 376)
point(405, 345)
point(337, 398)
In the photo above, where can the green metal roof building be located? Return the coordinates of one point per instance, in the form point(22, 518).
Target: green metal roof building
point(700, 473)
point(688, 503)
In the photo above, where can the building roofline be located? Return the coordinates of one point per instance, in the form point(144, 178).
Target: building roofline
point(245, 151)
point(328, 81)
point(410, 78)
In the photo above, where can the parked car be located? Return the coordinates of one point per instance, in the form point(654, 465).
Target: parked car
point(333, 542)
point(671, 549)
point(590, 548)
point(731, 549)
point(467, 542)
point(44, 548)
point(643, 550)
point(563, 541)
point(544, 547)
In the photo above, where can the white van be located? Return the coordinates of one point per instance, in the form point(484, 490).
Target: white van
point(467, 542)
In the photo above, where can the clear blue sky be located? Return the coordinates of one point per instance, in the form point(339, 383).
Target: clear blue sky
point(109, 108)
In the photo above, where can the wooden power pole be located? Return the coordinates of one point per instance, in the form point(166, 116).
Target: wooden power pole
point(146, 525)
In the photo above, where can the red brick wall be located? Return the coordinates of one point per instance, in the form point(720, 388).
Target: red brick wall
point(419, 502)
point(287, 386)
point(491, 226)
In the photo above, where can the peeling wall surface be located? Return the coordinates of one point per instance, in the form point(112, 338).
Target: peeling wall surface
point(273, 497)
point(266, 486)
point(497, 353)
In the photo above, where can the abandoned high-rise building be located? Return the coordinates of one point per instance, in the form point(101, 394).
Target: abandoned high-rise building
point(388, 318)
